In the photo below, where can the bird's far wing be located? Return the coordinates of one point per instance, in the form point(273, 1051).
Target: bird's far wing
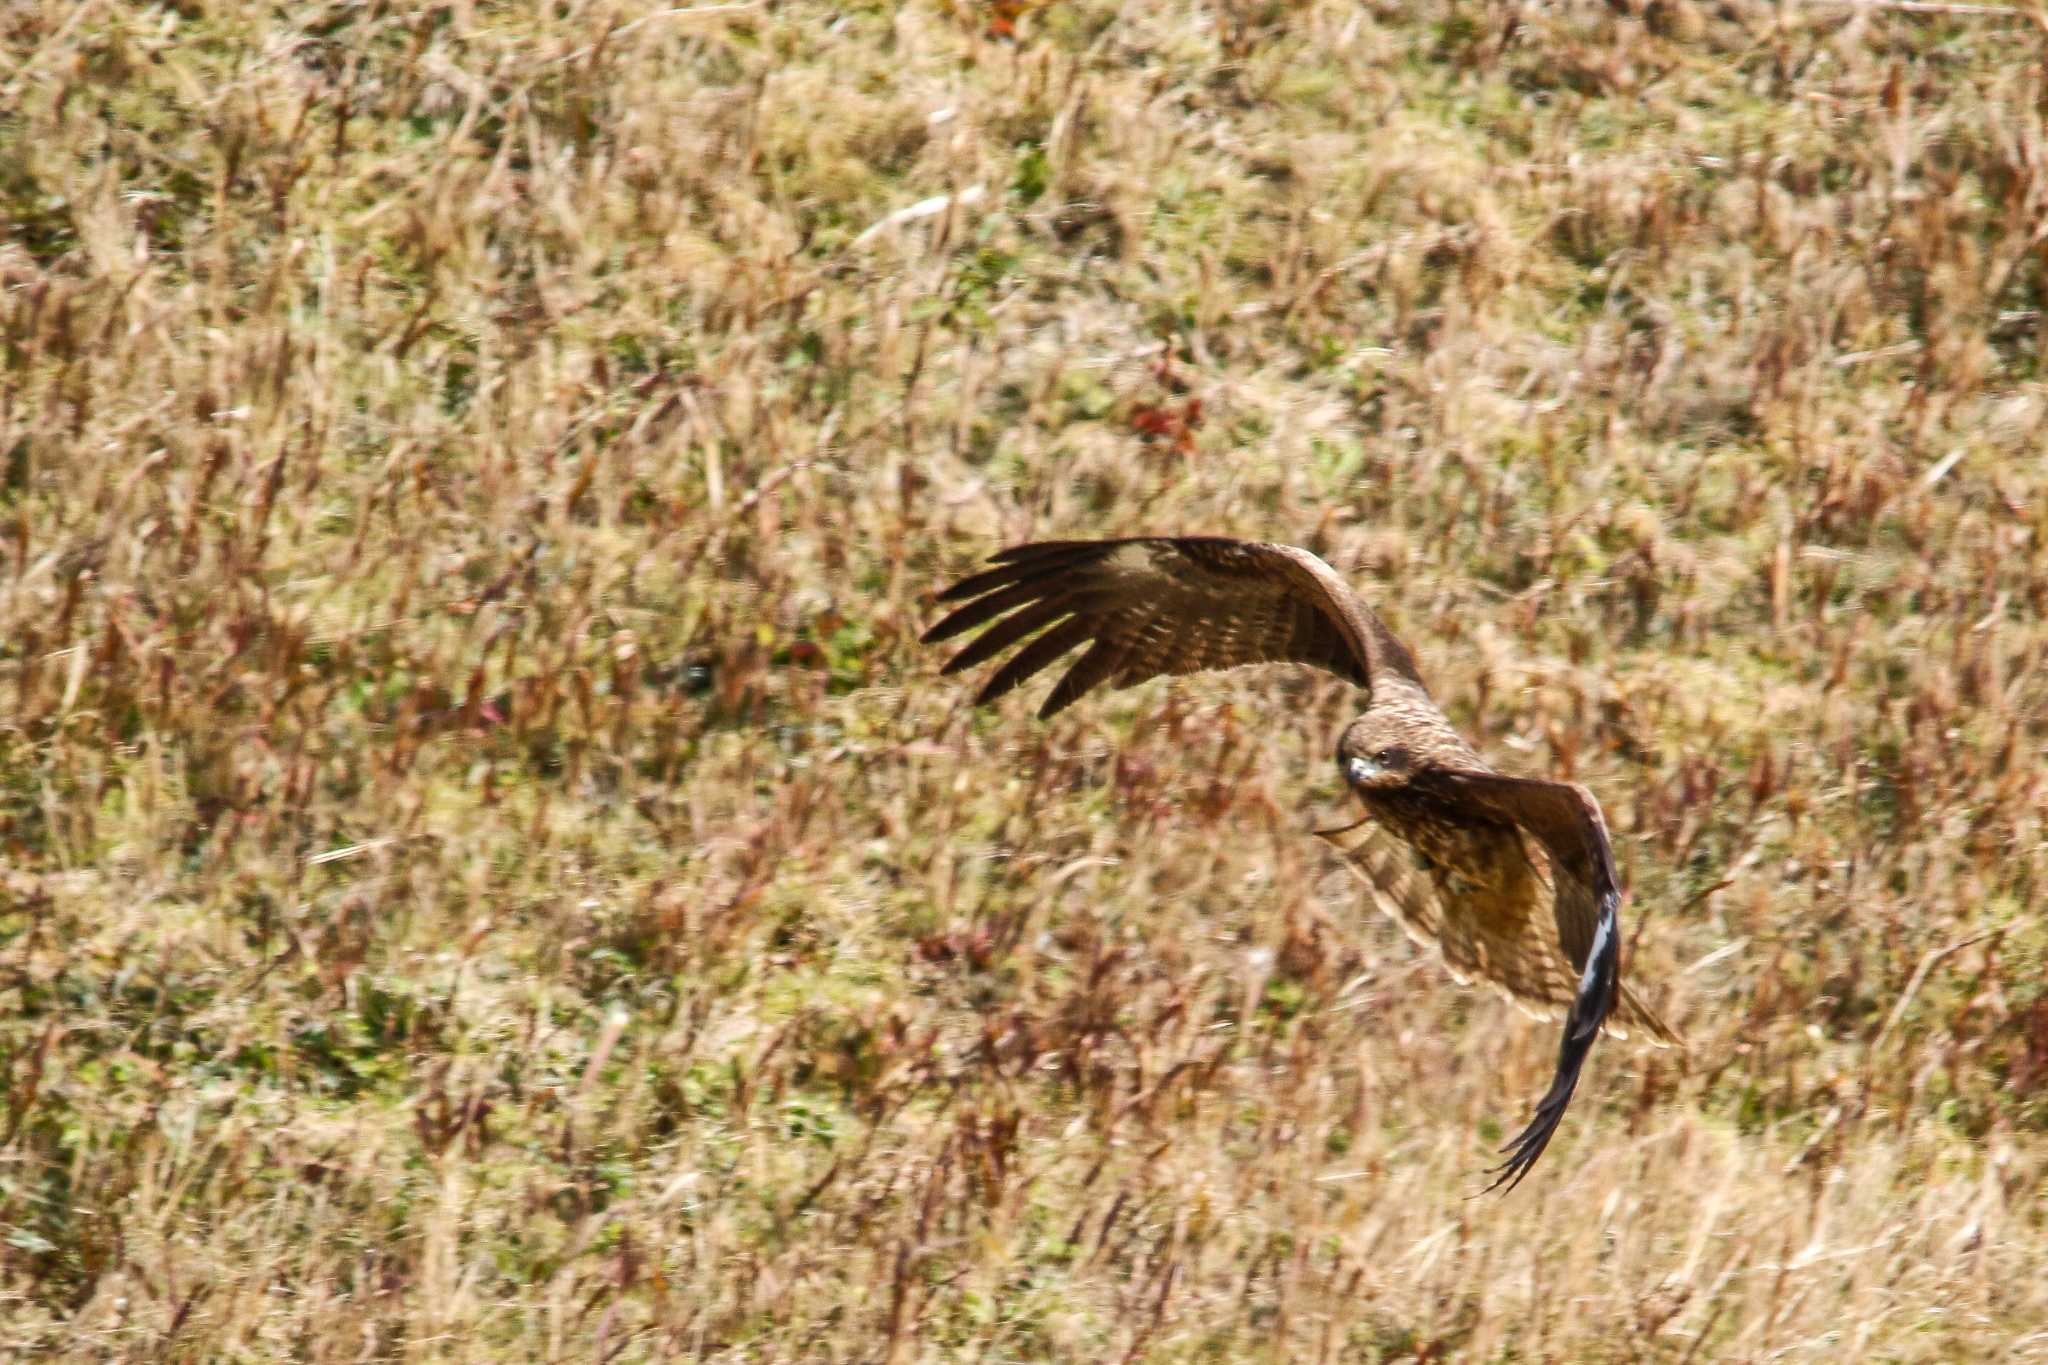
point(1565, 820)
point(1151, 606)
point(1526, 970)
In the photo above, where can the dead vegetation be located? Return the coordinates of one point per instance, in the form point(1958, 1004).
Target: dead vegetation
point(490, 876)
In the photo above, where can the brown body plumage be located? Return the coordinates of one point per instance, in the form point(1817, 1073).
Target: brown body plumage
point(1463, 857)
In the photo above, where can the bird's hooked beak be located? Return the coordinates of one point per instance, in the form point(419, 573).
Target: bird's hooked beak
point(1362, 772)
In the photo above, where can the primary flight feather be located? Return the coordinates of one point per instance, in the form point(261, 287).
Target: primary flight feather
point(1445, 842)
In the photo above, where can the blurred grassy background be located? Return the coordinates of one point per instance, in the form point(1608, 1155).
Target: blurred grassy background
point(490, 875)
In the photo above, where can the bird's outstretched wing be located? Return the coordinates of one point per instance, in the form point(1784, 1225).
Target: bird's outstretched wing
point(1528, 968)
point(1156, 605)
point(1565, 820)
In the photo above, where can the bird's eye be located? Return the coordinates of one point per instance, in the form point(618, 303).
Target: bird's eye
point(1386, 758)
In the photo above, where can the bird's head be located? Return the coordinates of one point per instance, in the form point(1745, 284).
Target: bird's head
point(1378, 753)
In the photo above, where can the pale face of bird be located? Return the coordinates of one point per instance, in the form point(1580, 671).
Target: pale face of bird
point(1378, 753)
point(1385, 770)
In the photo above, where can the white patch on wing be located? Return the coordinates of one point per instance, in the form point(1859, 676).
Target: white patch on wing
point(1130, 561)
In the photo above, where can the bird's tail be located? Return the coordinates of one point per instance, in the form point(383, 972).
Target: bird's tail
point(1641, 1021)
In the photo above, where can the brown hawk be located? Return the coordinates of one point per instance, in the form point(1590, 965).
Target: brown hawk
point(1447, 845)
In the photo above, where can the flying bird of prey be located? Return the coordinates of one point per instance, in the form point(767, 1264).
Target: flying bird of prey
point(1462, 856)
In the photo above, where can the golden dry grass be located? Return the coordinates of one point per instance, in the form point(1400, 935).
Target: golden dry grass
point(490, 874)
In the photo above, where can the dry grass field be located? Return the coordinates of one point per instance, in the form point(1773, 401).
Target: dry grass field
point(488, 873)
